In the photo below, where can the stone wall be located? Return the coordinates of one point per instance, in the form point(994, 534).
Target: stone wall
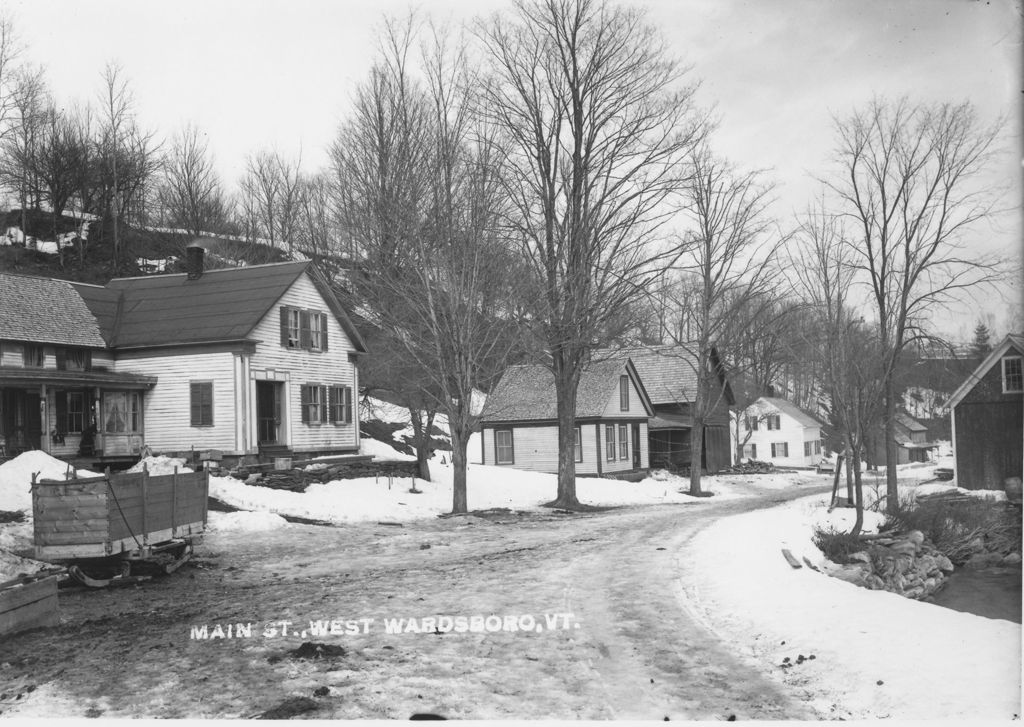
point(906, 565)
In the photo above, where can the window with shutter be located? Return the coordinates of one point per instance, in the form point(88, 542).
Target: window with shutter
point(609, 442)
point(347, 405)
point(323, 331)
point(315, 331)
point(303, 329)
point(201, 403)
point(304, 403)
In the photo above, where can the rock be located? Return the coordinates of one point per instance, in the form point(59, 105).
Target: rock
point(1011, 559)
point(916, 537)
point(977, 545)
point(904, 547)
point(874, 582)
point(855, 574)
point(859, 557)
point(945, 564)
point(915, 592)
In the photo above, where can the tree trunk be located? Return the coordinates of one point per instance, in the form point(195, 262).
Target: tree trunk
point(858, 489)
point(565, 392)
point(421, 441)
point(891, 491)
point(459, 497)
point(696, 450)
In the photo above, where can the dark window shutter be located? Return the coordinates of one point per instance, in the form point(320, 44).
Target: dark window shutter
point(61, 405)
point(347, 405)
point(332, 403)
point(195, 404)
point(62, 359)
point(304, 329)
point(284, 326)
point(305, 403)
point(323, 331)
point(323, 404)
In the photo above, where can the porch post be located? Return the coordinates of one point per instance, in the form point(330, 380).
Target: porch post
point(44, 419)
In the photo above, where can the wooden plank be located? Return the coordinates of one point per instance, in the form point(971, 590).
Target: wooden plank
point(791, 559)
point(30, 616)
point(17, 596)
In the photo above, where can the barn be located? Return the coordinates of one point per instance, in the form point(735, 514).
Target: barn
point(987, 412)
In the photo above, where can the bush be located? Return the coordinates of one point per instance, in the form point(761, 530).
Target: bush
point(837, 546)
point(953, 524)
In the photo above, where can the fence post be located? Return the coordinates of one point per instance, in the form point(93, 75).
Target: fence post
point(174, 502)
point(145, 507)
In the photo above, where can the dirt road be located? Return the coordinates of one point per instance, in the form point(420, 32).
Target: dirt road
point(588, 619)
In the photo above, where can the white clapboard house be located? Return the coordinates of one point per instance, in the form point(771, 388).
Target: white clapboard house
point(257, 361)
point(520, 423)
point(778, 431)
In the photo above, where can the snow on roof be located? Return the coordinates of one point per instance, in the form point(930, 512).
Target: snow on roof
point(769, 403)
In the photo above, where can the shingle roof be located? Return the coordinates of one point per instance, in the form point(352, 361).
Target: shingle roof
point(787, 407)
point(669, 372)
point(910, 423)
point(222, 305)
point(527, 392)
point(43, 310)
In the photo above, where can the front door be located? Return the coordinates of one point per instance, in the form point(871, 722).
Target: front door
point(636, 445)
point(268, 412)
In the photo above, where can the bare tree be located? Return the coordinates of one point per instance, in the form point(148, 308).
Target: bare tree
point(424, 197)
point(823, 270)
point(595, 131)
point(10, 76)
point(26, 117)
point(116, 103)
point(909, 177)
point(191, 192)
point(271, 190)
point(727, 255)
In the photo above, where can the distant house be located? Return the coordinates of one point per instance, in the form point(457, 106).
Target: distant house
point(520, 423)
point(988, 419)
point(912, 443)
point(778, 431)
point(670, 375)
point(258, 361)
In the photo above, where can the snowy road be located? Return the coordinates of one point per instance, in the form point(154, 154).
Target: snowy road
point(630, 648)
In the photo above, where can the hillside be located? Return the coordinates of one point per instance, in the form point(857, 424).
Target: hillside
point(84, 251)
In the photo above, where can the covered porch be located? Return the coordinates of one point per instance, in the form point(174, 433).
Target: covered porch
point(95, 416)
point(669, 442)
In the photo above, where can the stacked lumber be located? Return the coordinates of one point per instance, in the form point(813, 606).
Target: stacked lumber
point(751, 467)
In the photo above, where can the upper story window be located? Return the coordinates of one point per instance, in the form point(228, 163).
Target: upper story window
point(1013, 374)
point(774, 422)
point(303, 329)
point(74, 359)
point(624, 393)
point(33, 356)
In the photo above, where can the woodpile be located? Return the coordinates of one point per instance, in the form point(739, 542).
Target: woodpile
point(751, 467)
point(297, 480)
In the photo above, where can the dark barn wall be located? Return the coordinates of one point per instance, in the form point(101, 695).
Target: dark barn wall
point(989, 433)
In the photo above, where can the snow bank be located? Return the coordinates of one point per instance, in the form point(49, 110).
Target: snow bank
point(16, 477)
point(372, 499)
point(160, 465)
point(248, 522)
point(877, 654)
point(382, 451)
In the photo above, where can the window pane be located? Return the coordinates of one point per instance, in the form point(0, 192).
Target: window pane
point(579, 445)
point(114, 414)
point(623, 442)
point(609, 435)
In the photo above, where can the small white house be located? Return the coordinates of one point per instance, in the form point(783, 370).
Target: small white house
point(520, 422)
point(778, 431)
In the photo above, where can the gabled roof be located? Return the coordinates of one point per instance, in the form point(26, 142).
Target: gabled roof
point(1012, 342)
point(43, 310)
point(221, 305)
point(771, 403)
point(670, 372)
point(909, 423)
point(527, 392)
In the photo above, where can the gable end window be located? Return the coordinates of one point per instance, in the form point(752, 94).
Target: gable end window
point(200, 394)
point(504, 447)
point(303, 329)
point(624, 393)
point(1013, 375)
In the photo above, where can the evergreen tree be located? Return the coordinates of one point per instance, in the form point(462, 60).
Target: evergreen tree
point(980, 346)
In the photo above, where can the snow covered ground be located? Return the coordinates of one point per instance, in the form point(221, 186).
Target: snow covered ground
point(875, 654)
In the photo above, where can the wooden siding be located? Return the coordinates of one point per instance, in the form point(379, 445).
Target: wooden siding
point(612, 409)
point(536, 448)
point(329, 368)
point(990, 387)
point(989, 439)
point(166, 408)
point(790, 431)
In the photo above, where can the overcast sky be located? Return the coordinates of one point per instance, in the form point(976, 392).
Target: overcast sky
point(279, 73)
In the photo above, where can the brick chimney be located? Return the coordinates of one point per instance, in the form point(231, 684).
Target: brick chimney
point(194, 255)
